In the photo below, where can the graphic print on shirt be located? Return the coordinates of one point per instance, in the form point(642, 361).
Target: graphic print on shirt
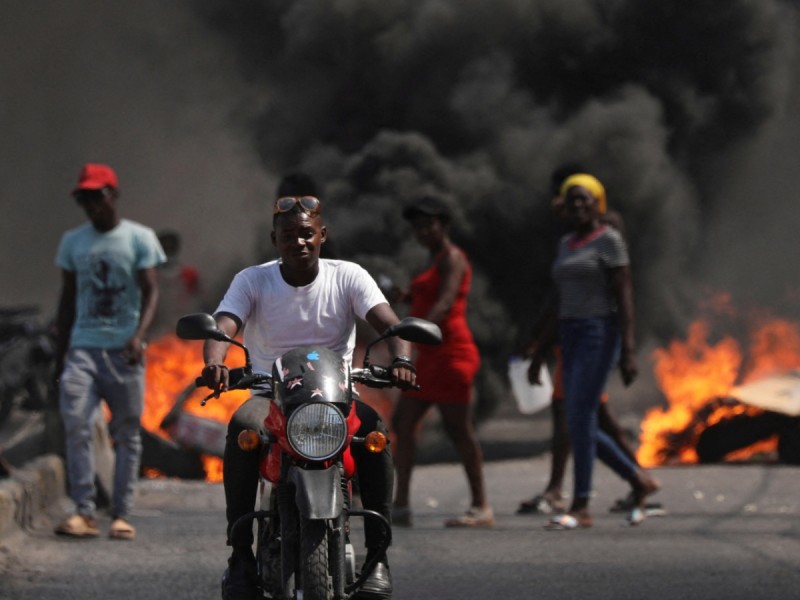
point(106, 289)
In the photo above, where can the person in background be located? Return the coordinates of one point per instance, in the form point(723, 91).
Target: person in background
point(445, 372)
point(109, 295)
point(593, 319)
point(301, 299)
point(551, 500)
point(179, 285)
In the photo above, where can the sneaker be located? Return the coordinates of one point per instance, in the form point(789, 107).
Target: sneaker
point(239, 579)
point(474, 517)
point(78, 526)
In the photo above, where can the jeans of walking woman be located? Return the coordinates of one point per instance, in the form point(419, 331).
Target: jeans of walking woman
point(590, 349)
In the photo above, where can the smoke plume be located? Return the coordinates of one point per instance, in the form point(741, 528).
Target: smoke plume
point(480, 101)
point(686, 112)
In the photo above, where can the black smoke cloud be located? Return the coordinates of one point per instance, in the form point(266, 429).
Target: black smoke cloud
point(686, 111)
point(480, 101)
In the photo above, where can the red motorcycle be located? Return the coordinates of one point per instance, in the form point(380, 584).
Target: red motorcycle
point(302, 542)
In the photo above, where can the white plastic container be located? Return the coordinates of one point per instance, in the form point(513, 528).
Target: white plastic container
point(530, 398)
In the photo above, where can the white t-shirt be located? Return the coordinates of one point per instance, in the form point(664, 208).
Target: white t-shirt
point(278, 317)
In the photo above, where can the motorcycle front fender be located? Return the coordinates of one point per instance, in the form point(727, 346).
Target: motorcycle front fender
point(318, 493)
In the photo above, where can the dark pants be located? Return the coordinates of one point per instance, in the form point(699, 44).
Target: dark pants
point(240, 470)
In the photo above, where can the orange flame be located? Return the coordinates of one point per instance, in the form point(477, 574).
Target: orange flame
point(694, 375)
point(172, 366)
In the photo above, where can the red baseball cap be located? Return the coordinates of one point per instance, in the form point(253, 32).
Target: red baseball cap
point(95, 177)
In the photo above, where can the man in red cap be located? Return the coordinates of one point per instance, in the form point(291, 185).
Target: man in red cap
point(108, 298)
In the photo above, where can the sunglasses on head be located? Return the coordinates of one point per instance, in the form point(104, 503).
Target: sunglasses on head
point(310, 204)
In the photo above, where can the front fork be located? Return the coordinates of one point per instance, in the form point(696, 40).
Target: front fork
point(340, 551)
point(279, 530)
point(278, 536)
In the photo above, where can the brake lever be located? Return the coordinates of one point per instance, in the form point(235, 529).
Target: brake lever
point(380, 372)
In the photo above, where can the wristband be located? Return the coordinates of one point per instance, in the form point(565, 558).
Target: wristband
point(220, 365)
point(405, 362)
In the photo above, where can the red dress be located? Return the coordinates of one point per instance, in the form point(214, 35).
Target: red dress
point(445, 372)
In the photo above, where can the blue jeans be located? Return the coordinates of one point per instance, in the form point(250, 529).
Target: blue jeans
point(590, 349)
point(91, 375)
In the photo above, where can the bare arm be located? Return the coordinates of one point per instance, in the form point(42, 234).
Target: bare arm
point(546, 332)
point(623, 293)
point(148, 284)
point(382, 317)
point(215, 372)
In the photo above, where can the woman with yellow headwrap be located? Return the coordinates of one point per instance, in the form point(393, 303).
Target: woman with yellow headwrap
point(591, 184)
point(595, 330)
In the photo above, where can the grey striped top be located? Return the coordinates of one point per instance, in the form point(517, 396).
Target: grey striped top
point(581, 273)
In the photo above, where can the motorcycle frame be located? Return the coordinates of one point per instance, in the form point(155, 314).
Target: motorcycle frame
point(312, 490)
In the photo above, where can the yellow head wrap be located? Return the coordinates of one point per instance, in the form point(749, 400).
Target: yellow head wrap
point(591, 184)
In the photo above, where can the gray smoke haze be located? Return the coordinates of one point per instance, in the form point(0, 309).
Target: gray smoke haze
point(668, 104)
point(688, 112)
point(136, 85)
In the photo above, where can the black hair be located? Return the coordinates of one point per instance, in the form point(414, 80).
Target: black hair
point(297, 184)
point(428, 205)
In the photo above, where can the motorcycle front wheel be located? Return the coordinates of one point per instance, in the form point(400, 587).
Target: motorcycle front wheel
point(315, 579)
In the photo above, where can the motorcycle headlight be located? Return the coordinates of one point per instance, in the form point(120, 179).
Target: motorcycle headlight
point(316, 431)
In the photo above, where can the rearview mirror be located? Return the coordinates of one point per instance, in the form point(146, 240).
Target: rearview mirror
point(199, 326)
point(416, 330)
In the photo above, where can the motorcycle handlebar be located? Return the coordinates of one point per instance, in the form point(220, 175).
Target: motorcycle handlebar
point(239, 379)
point(374, 376)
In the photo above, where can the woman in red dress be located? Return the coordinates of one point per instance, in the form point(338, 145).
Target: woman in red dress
point(445, 372)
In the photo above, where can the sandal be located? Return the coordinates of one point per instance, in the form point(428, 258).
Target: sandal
point(628, 503)
point(474, 517)
point(568, 522)
point(121, 530)
point(78, 526)
point(636, 516)
point(541, 505)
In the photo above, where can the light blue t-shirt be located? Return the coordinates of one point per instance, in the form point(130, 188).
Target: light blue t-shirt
point(106, 267)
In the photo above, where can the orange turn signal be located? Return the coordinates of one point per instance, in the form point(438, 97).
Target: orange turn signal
point(375, 442)
point(248, 440)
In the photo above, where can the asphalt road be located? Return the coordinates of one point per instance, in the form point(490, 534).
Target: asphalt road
point(732, 532)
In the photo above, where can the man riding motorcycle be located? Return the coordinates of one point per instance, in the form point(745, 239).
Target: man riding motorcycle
point(301, 299)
